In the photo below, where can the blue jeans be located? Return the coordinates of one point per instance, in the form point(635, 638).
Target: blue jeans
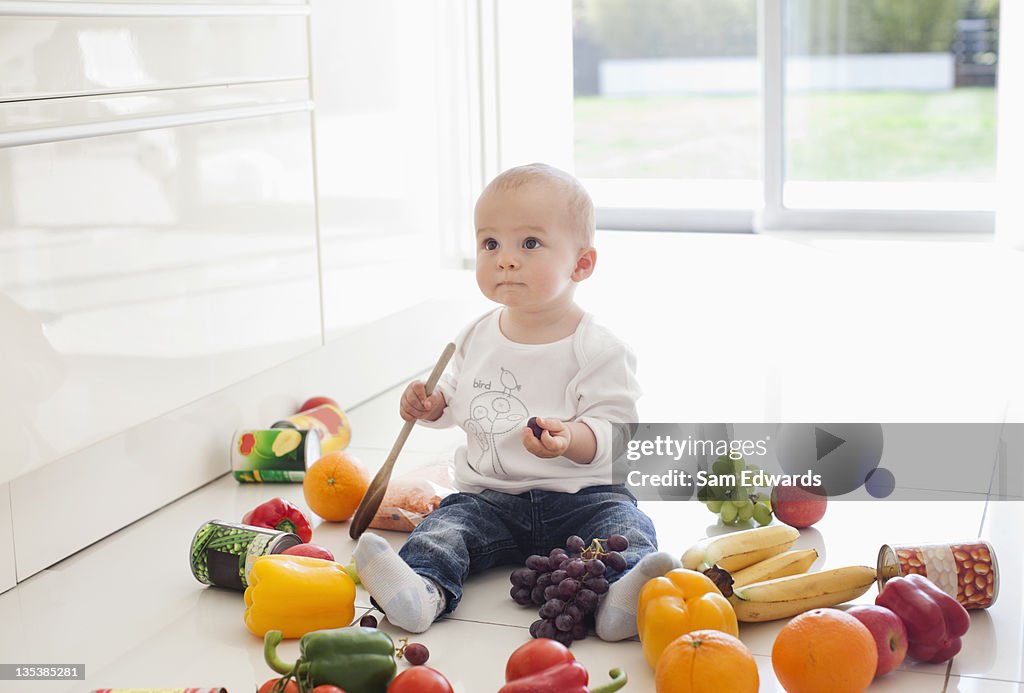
point(471, 532)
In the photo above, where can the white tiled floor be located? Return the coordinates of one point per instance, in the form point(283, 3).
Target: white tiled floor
point(129, 608)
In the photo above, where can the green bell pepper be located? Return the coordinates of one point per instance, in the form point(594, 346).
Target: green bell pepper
point(358, 660)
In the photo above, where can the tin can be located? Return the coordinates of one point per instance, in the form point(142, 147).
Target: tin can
point(967, 570)
point(277, 454)
point(223, 553)
point(327, 420)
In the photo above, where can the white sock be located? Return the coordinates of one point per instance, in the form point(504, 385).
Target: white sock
point(410, 601)
point(616, 615)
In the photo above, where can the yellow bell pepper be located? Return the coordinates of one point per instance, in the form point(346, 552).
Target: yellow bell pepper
point(297, 595)
point(680, 602)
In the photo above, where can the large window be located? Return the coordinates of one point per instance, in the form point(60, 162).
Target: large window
point(797, 113)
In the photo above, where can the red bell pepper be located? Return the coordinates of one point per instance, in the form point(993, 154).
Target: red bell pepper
point(935, 621)
point(547, 666)
point(279, 514)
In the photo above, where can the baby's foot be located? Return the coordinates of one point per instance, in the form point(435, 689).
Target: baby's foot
point(616, 616)
point(410, 601)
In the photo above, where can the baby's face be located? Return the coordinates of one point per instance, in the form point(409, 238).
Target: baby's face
point(526, 247)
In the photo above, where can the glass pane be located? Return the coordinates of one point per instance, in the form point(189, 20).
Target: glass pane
point(890, 104)
point(666, 89)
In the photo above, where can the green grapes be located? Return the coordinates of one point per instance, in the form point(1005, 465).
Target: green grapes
point(734, 502)
point(728, 513)
point(762, 514)
point(722, 466)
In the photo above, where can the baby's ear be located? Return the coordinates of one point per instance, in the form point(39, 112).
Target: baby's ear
point(584, 265)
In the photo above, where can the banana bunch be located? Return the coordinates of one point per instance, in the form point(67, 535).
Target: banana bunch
point(794, 594)
point(770, 581)
point(780, 565)
point(737, 550)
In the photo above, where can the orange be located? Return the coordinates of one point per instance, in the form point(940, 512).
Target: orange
point(334, 485)
point(706, 661)
point(824, 650)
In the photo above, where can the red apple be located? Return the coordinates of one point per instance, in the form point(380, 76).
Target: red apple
point(797, 506)
point(889, 632)
point(314, 402)
point(311, 550)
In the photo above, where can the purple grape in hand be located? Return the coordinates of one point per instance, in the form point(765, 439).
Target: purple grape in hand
point(535, 427)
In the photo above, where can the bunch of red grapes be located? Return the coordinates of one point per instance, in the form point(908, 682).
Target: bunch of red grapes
point(567, 585)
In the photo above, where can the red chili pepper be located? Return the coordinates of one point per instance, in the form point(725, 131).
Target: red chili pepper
point(282, 515)
point(934, 620)
point(547, 666)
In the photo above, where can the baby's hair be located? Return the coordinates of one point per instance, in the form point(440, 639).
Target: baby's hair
point(577, 197)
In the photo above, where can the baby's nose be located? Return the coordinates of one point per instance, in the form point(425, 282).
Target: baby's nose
point(508, 260)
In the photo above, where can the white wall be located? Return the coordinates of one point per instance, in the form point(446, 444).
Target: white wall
point(189, 246)
point(8, 576)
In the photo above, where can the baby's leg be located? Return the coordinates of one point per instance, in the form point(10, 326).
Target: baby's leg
point(410, 601)
point(616, 614)
point(616, 513)
point(465, 534)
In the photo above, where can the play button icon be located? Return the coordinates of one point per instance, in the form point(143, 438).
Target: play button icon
point(843, 454)
point(825, 442)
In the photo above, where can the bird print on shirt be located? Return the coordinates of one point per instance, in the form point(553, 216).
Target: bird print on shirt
point(494, 414)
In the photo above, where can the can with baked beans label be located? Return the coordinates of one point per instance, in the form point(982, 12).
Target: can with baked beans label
point(967, 570)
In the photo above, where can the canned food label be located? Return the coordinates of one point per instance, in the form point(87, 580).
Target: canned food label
point(966, 571)
point(977, 584)
point(938, 566)
point(326, 420)
point(273, 455)
point(222, 553)
point(257, 548)
point(270, 476)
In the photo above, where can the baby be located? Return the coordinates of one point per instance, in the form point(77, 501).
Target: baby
point(524, 490)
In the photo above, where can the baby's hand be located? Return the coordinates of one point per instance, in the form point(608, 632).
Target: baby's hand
point(416, 405)
point(554, 439)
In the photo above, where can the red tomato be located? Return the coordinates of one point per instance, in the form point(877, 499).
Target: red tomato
point(290, 687)
point(536, 655)
point(313, 402)
point(420, 679)
point(311, 550)
point(325, 688)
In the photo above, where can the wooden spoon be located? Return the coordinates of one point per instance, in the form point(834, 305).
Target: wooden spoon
point(375, 492)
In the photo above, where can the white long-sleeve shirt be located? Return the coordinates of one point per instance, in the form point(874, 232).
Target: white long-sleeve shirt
point(494, 385)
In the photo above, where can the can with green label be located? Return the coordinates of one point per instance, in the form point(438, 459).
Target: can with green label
point(223, 553)
point(328, 420)
point(276, 454)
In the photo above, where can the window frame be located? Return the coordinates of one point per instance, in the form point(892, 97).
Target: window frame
point(775, 215)
point(772, 214)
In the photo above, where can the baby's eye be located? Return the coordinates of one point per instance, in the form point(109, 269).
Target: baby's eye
point(490, 244)
point(531, 244)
